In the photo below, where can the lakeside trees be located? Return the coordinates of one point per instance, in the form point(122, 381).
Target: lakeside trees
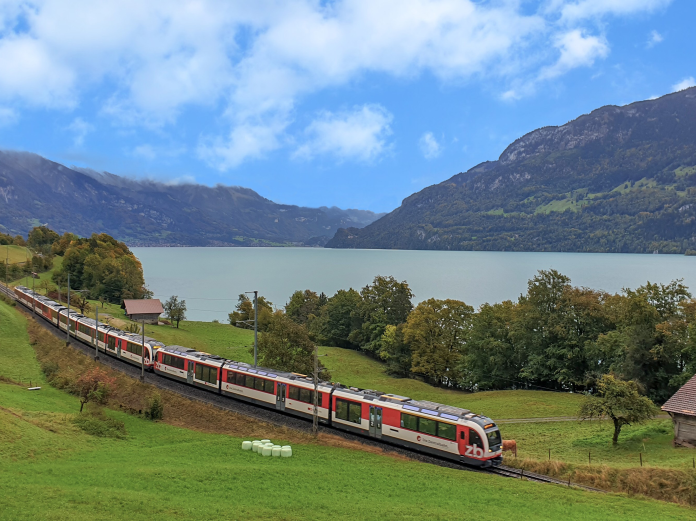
point(555, 336)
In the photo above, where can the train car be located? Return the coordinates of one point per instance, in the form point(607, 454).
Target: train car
point(442, 430)
point(129, 346)
point(292, 393)
point(190, 366)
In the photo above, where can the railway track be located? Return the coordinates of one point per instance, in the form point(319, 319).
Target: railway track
point(274, 417)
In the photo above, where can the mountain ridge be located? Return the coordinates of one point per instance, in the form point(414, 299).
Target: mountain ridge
point(619, 179)
point(35, 190)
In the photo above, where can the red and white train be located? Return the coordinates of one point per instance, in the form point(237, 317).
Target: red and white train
point(429, 427)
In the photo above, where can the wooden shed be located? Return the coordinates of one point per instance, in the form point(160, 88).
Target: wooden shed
point(148, 310)
point(682, 408)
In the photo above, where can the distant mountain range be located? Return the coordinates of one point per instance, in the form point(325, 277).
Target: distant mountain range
point(34, 190)
point(620, 179)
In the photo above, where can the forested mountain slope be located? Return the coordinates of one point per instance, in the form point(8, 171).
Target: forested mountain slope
point(34, 190)
point(620, 179)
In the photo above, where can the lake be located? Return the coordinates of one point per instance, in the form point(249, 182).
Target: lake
point(210, 279)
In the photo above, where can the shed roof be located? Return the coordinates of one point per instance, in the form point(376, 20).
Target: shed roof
point(143, 306)
point(684, 400)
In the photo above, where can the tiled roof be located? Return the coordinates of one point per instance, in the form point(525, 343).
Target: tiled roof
point(684, 400)
point(143, 306)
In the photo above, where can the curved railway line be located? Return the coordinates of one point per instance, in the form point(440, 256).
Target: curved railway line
point(278, 418)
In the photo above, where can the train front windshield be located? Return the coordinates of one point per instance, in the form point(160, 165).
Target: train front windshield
point(493, 438)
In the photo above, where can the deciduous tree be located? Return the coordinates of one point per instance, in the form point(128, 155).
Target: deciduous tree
point(93, 386)
point(618, 400)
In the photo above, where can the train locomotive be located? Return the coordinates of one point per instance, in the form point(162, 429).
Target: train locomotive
point(441, 430)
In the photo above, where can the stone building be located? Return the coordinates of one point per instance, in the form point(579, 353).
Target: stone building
point(682, 408)
point(143, 309)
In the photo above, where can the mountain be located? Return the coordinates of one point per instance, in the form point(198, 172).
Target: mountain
point(34, 190)
point(620, 179)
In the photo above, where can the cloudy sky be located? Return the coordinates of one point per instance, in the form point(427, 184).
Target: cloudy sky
point(350, 103)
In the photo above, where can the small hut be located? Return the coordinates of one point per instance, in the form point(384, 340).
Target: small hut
point(682, 408)
point(148, 310)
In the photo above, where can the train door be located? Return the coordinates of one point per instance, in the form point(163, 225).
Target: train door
point(118, 348)
point(375, 421)
point(189, 373)
point(280, 396)
point(462, 441)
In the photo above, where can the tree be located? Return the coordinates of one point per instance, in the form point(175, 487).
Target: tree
point(46, 286)
point(286, 346)
point(620, 401)
point(93, 386)
point(494, 357)
point(386, 301)
point(42, 238)
point(395, 351)
point(79, 301)
point(335, 322)
point(437, 331)
point(302, 306)
point(243, 316)
point(175, 309)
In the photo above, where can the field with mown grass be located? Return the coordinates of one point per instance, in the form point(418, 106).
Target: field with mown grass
point(51, 468)
point(574, 442)
point(14, 254)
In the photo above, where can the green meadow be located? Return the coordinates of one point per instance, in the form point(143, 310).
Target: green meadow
point(51, 468)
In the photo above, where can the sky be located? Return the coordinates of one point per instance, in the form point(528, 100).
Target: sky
point(320, 103)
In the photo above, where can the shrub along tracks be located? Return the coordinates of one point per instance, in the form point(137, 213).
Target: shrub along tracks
point(273, 417)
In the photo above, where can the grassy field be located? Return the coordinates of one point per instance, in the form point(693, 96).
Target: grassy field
point(573, 442)
point(14, 253)
point(52, 469)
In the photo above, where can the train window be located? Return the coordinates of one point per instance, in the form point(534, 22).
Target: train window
point(258, 384)
point(447, 430)
point(269, 387)
point(319, 399)
point(199, 372)
point(427, 426)
point(493, 437)
point(136, 349)
point(112, 343)
point(205, 373)
point(240, 379)
point(294, 393)
point(249, 381)
point(408, 421)
point(305, 395)
point(230, 377)
point(354, 412)
point(474, 438)
point(341, 409)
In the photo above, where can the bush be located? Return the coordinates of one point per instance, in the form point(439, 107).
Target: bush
point(96, 423)
point(155, 408)
point(50, 369)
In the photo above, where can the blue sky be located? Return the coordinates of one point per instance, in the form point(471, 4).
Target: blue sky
point(355, 104)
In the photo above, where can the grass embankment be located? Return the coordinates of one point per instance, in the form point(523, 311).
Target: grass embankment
point(155, 470)
point(14, 254)
point(46, 275)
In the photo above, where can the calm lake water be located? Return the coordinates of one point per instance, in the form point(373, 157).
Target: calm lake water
point(210, 279)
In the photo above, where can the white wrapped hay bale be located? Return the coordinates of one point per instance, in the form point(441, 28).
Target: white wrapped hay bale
point(267, 449)
point(246, 445)
point(265, 441)
point(286, 451)
point(255, 445)
point(276, 451)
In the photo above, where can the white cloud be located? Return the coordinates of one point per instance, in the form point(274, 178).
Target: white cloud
point(359, 134)
point(429, 146)
point(654, 39)
point(576, 50)
point(581, 9)
point(684, 84)
point(255, 62)
point(80, 128)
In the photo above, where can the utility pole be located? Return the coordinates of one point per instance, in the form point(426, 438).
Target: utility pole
point(256, 327)
point(33, 290)
point(96, 336)
point(142, 357)
point(67, 324)
point(7, 265)
point(315, 419)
